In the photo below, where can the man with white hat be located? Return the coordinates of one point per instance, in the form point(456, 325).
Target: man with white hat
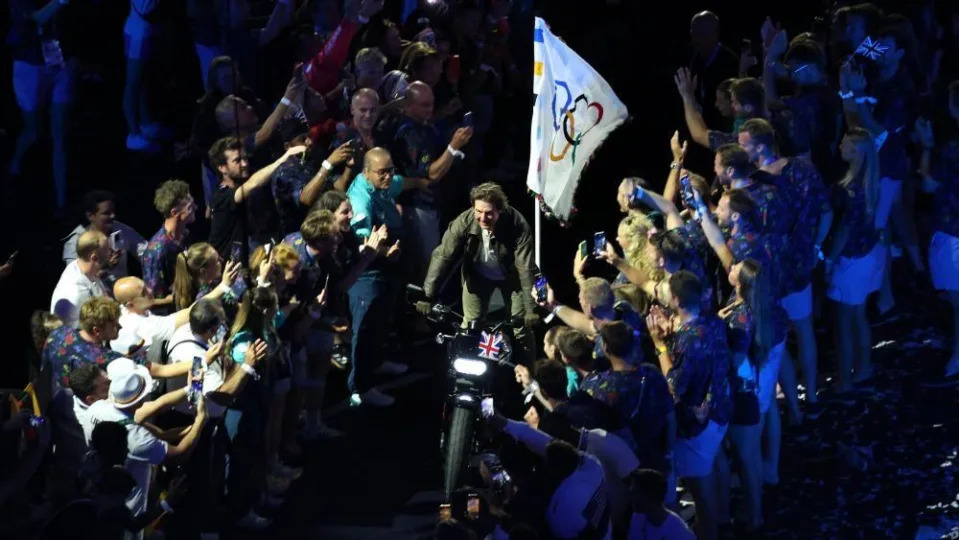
point(130, 384)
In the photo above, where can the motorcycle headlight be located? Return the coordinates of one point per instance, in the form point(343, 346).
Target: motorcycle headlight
point(467, 366)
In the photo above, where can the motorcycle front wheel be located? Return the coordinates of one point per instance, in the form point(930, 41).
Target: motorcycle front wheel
point(457, 448)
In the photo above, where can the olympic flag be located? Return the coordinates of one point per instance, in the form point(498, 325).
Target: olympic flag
point(574, 111)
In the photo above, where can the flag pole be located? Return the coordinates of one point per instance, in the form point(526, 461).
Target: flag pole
point(537, 223)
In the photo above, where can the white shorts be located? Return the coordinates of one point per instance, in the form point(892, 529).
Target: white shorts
point(35, 85)
point(798, 305)
point(855, 279)
point(694, 457)
point(944, 261)
point(769, 376)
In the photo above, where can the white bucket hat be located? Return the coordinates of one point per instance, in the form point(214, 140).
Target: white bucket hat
point(130, 383)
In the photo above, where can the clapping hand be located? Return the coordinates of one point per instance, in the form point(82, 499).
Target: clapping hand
point(376, 238)
point(213, 352)
point(522, 375)
point(256, 353)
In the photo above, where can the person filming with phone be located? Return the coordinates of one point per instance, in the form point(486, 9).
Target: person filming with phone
point(494, 245)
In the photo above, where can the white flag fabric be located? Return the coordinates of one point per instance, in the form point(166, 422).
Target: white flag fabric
point(575, 110)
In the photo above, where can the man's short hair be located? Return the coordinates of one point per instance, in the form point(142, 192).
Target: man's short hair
point(749, 91)
point(367, 93)
point(735, 156)
point(760, 132)
point(489, 192)
point(741, 202)
point(331, 200)
point(597, 292)
point(686, 289)
point(83, 378)
point(318, 227)
point(285, 256)
point(217, 153)
point(553, 334)
point(169, 195)
point(650, 483)
point(617, 338)
point(575, 346)
point(92, 199)
point(98, 312)
point(369, 54)
point(88, 243)
point(552, 379)
point(671, 245)
point(206, 315)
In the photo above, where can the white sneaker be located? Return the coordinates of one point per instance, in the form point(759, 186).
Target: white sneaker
point(391, 368)
point(253, 521)
point(375, 398)
point(139, 143)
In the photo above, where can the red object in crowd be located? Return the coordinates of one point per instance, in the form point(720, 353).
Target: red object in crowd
point(323, 70)
point(453, 69)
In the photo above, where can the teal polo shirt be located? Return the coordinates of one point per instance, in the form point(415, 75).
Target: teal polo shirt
point(375, 207)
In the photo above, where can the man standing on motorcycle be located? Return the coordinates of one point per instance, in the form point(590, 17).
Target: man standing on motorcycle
point(493, 244)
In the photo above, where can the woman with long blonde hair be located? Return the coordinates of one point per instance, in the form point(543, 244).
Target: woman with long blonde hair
point(856, 259)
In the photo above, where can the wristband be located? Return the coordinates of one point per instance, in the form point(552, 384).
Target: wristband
point(454, 152)
point(327, 166)
point(846, 95)
point(166, 507)
point(223, 288)
point(250, 371)
point(286, 101)
point(362, 19)
point(662, 349)
point(262, 283)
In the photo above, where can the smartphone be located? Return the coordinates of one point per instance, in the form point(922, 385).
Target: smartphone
point(686, 192)
point(115, 240)
point(446, 512)
point(486, 407)
point(220, 334)
point(599, 243)
point(540, 284)
point(196, 385)
point(236, 251)
point(583, 250)
point(468, 119)
point(472, 506)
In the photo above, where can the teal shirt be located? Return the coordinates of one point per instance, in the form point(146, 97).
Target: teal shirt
point(572, 381)
point(374, 207)
point(242, 340)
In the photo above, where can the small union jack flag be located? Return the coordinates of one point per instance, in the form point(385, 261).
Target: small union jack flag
point(489, 345)
point(871, 49)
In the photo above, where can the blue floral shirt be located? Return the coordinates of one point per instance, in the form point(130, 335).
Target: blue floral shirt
point(808, 201)
point(159, 263)
point(700, 372)
point(749, 244)
point(415, 147)
point(287, 183)
point(65, 351)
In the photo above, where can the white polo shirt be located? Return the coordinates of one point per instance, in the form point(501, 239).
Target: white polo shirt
point(82, 411)
point(148, 328)
point(73, 289)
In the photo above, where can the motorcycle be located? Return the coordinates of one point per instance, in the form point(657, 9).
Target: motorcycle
point(472, 352)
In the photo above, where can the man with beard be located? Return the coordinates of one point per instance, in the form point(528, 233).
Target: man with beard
point(228, 223)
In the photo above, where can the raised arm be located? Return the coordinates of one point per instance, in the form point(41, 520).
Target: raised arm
point(686, 84)
point(442, 165)
point(262, 177)
point(715, 238)
point(311, 191)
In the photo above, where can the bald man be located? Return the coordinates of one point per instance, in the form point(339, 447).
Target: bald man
point(80, 280)
point(139, 327)
point(420, 152)
point(712, 63)
point(373, 196)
